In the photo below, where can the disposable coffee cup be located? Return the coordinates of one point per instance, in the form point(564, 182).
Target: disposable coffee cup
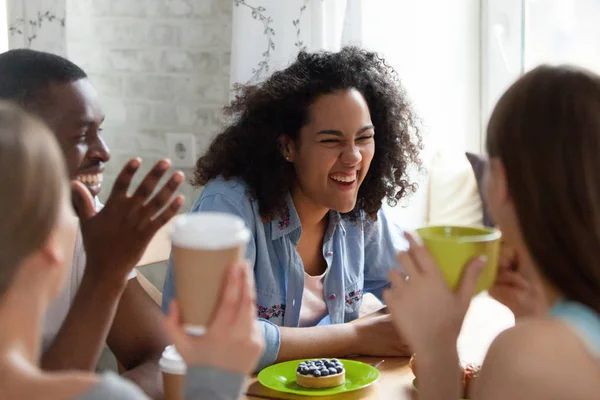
point(204, 245)
point(173, 370)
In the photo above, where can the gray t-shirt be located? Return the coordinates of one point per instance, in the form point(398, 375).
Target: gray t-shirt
point(200, 383)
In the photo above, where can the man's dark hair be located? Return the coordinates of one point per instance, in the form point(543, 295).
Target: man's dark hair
point(25, 74)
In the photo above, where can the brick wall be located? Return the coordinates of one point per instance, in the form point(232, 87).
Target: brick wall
point(159, 65)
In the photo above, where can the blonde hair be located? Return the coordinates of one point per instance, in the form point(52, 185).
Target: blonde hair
point(32, 178)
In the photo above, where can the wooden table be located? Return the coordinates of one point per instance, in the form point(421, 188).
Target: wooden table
point(484, 321)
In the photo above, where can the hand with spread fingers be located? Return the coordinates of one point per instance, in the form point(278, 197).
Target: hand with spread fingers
point(523, 295)
point(424, 309)
point(116, 237)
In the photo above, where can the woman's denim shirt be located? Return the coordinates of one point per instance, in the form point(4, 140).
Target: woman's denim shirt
point(359, 256)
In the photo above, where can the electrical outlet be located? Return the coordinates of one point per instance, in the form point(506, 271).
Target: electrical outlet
point(182, 149)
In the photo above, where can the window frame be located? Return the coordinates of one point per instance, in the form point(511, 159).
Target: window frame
point(502, 52)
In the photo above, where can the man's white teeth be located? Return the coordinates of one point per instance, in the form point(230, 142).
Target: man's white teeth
point(345, 179)
point(90, 179)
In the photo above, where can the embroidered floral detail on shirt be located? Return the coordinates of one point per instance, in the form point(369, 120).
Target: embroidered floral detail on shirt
point(284, 222)
point(275, 311)
point(353, 296)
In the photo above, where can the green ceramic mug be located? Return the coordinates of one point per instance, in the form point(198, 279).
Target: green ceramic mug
point(453, 247)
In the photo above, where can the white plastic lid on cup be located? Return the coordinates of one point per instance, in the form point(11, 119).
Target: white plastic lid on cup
point(195, 330)
point(171, 362)
point(210, 231)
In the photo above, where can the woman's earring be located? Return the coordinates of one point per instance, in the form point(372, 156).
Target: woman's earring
point(287, 158)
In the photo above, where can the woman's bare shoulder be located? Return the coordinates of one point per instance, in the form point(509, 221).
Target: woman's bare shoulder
point(539, 358)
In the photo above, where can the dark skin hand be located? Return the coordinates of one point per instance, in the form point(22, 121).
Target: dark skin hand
point(118, 235)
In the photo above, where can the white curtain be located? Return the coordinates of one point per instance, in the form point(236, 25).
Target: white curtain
point(268, 34)
point(37, 24)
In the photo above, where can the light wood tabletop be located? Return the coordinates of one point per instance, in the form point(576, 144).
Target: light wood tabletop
point(484, 321)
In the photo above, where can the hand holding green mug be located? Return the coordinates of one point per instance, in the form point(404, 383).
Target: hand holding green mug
point(453, 247)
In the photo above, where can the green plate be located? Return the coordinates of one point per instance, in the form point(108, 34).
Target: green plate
point(414, 383)
point(282, 377)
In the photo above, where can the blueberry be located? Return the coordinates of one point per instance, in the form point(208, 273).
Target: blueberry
point(324, 372)
point(316, 372)
point(332, 371)
point(339, 370)
point(335, 360)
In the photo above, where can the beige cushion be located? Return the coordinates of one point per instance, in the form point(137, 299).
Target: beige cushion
point(453, 194)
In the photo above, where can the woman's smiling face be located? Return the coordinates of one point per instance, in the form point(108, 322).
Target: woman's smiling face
point(334, 150)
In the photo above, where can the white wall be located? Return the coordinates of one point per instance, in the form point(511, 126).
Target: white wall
point(3, 27)
point(435, 47)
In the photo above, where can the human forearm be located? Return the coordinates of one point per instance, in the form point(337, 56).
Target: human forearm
point(82, 336)
point(137, 337)
point(319, 341)
point(439, 375)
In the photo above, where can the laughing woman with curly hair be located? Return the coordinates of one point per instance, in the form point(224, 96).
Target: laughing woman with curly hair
point(307, 161)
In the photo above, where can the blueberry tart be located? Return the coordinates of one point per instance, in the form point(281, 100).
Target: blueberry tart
point(320, 373)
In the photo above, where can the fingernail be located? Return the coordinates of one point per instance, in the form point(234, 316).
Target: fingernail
point(163, 164)
point(482, 260)
point(136, 162)
point(178, 176)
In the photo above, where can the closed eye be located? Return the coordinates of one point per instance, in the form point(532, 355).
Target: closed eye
point(365, 138)
point(80, 138)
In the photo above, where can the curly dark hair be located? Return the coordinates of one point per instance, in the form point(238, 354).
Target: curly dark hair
point(249, 147)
